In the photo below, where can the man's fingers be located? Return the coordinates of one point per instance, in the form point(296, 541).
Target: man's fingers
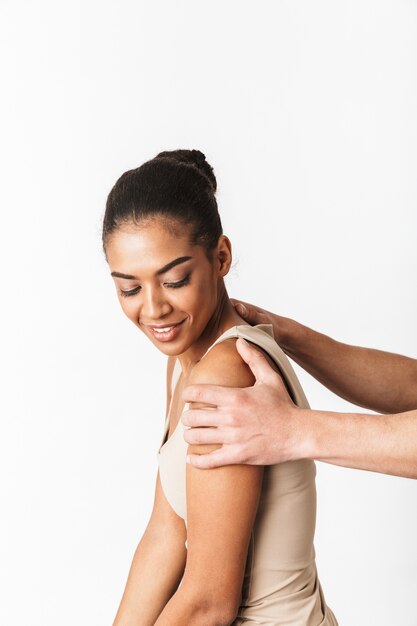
point(250, 313)
point(198, 418)
point(208, 394)
point(207, 436)
point(260, 367)
point(227, 455)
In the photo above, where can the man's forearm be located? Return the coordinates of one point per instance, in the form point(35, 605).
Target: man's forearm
point(260, 425)
point(360, 441)
point(380, 381)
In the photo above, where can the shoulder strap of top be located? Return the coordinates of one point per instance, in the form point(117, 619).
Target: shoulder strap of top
point(262, 336)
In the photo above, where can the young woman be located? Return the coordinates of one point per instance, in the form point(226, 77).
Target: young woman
point(233, 545)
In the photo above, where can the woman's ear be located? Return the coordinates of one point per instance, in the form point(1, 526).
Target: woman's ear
point(223, 255)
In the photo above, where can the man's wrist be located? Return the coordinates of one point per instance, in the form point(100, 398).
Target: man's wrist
point(290, 335)
point(304, 445)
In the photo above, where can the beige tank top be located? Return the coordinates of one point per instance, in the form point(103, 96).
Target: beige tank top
point(281, 586)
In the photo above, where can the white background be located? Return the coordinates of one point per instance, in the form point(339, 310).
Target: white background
point(308, 113)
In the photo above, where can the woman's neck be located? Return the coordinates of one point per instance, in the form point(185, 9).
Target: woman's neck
point(224, 317)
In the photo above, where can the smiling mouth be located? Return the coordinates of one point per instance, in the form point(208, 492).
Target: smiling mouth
point(166, 333)
point(164, 330)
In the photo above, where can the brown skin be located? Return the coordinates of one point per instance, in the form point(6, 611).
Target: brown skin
point(373, 379)
point(222, 504)
point(202, 304)
point(262, 426)
point(221, 507)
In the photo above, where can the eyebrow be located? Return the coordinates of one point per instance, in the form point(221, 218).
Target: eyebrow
point(166, 268)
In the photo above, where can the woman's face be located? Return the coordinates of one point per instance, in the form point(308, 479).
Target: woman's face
point(166, 286)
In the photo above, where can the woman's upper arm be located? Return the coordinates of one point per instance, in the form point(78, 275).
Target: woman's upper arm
point(221, 502)
point(165, 528)
point(163, 515)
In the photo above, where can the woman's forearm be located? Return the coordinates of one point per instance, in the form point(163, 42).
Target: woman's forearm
point(157, 566)
point(380, 381)
point(154, 575)
point(185, 608)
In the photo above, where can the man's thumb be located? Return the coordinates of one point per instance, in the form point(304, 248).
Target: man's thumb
point(260, 367)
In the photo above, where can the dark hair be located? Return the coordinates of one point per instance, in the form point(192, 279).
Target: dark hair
point(177, 185)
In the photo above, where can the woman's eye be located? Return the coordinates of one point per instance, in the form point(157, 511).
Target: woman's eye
point(179, 283)
point(174, 285)
point(131, 292)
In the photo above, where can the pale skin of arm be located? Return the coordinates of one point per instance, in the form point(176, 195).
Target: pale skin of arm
point(279, 431)
point(221, 508)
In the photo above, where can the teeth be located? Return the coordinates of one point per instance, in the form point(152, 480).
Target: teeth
point(163, 330)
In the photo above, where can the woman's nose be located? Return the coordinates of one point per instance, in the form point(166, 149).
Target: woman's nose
point(154, 305)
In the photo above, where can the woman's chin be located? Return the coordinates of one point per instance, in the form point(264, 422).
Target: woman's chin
point(171, 348)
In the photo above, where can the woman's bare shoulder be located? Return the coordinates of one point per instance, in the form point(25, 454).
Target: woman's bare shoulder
point(222, 365)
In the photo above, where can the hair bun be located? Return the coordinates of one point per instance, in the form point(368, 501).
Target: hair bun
point(198, 157)
point(192, 157)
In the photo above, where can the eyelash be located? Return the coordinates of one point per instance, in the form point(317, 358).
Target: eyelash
point(181, 283)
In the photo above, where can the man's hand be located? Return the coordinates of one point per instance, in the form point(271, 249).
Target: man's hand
point(373, 379)
point(261, 425)
point(251, 313)
point(255, 315)
point(257, 425)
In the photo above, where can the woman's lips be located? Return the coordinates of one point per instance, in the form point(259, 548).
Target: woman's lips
point(166, 333)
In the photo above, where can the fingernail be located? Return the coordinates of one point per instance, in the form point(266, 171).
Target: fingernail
point(188, 459)
point(241, 308)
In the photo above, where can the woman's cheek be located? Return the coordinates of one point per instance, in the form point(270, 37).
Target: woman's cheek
point(130, 310)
